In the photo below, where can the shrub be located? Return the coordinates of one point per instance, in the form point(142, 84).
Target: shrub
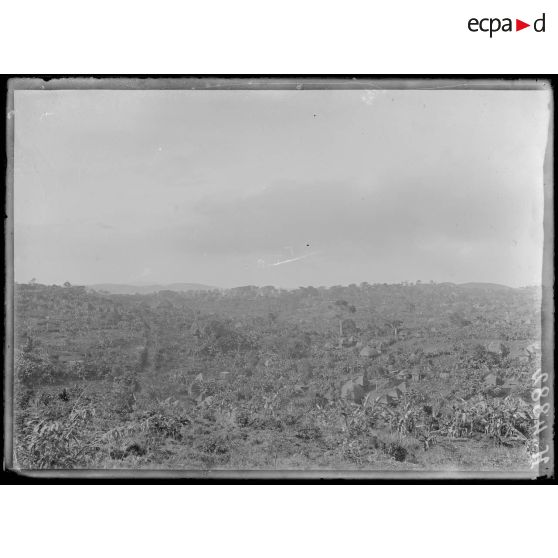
point(397, 451)
point(48, 444)
point(308, 432)
point(130, 448)
point(243, 418)
point(122, 397)
point(355, 452)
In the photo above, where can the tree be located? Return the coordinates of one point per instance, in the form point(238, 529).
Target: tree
point(217, 337)
point(33, 367)
point(457, 319)
point(342, 310)
point(395, 326)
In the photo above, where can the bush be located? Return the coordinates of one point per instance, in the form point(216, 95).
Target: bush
point(308, 432)
point(122, 398)
point(130, 448)
point(397, 451)
point(243, 418)
point(213, 449)
point(355, 452)
point(49, 444)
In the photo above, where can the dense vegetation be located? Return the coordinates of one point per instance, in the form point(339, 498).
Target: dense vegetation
point(380, 377)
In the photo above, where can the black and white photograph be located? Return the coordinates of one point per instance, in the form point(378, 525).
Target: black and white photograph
point(236, 277)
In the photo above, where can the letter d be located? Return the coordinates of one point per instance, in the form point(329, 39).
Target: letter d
point(537, 21)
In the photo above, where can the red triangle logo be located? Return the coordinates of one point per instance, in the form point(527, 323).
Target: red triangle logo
point(519, 25)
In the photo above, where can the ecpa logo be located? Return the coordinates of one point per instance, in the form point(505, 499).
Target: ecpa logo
point(494, 24)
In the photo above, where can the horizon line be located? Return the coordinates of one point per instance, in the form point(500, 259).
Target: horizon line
point(218, 288)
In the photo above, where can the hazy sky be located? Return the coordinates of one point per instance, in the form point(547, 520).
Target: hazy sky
point(279, 187)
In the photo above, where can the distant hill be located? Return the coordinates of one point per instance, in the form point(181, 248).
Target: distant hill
point(488, 286)
point(115, 288)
